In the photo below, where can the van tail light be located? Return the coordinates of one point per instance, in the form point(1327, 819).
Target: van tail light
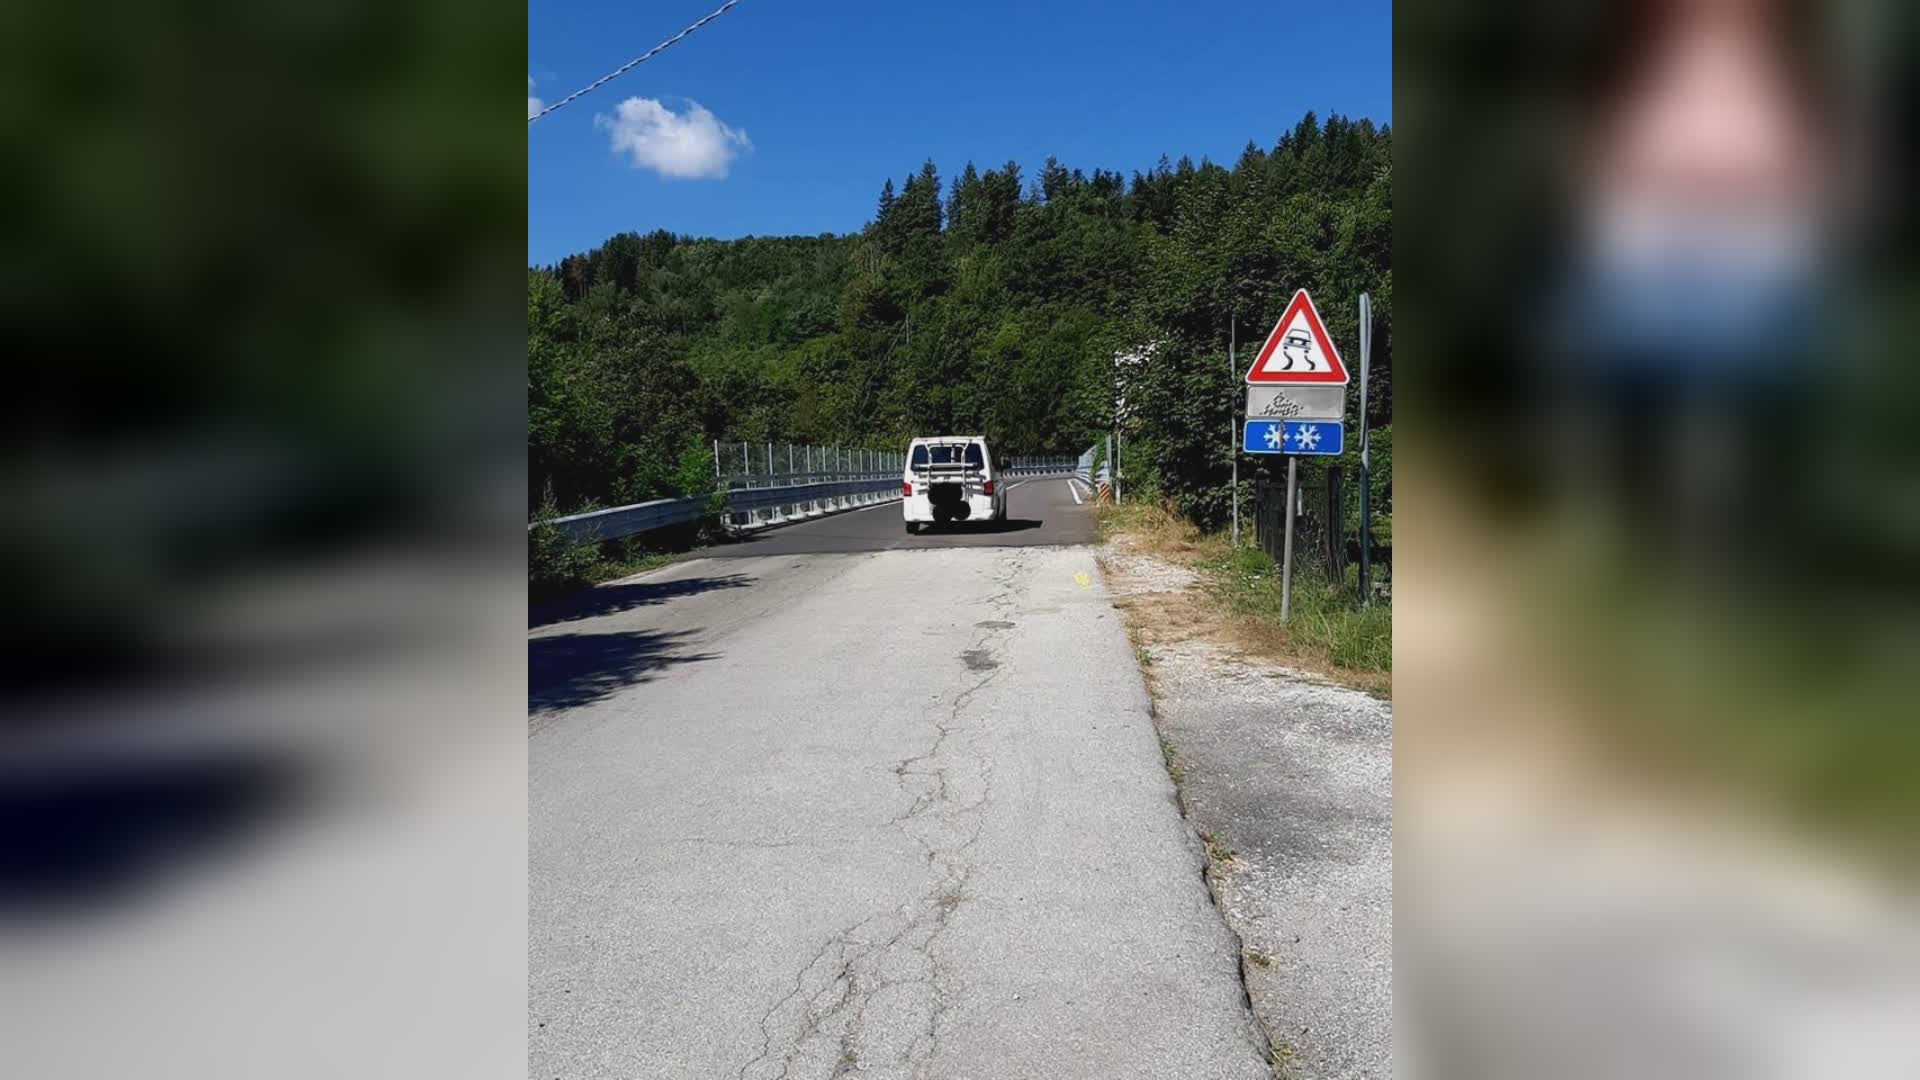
point(986, 488)
point(906, 487)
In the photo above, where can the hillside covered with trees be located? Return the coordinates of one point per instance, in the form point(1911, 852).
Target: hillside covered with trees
point(990, 301)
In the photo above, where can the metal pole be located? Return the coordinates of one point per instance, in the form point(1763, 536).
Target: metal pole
point(1233, 425)
point(716, 461)
point(1366, 477)
point(789, 459)
point(1286, 558)
point(769, 457)
point(1118, 446)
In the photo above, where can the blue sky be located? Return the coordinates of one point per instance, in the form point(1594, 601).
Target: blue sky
point(811, 104)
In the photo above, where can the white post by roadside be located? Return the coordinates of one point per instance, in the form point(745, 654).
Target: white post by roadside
point(1233, 426)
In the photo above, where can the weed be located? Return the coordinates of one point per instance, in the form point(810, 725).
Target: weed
point(1219, 854)
point(1175, 767)
point(1280, 1056)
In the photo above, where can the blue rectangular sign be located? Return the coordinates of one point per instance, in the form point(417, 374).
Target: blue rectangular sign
point(1315, 437)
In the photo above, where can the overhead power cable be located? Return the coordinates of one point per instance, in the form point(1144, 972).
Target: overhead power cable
point(635, 62)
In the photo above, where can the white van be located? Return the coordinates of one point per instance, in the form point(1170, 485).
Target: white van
point(950, 478)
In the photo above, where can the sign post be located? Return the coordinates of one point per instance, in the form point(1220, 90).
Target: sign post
point(1296, 405)
point(1233, 428)
point(1366, 476)
point(1286, 561)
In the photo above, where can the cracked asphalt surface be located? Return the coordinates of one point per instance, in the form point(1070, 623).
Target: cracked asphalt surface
point(893, 813)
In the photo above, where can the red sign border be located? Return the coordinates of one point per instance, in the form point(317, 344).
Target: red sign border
point(1336, 373)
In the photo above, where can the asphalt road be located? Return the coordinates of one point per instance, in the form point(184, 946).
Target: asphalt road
point(889, 808)
point(1039, 511)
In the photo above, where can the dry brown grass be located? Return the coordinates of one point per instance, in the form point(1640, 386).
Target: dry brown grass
point(1161, 611)
point(1156, 530)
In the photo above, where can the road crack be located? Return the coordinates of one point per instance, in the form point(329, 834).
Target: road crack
point(948, 783)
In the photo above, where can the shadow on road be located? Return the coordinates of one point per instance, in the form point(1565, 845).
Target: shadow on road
point(608, 599)
point(565, 670)
point(1005, 526)
point(77, 833)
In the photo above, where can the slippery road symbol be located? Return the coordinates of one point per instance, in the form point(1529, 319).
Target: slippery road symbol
point(1297, 346)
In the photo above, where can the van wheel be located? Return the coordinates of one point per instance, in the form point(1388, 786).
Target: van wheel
point(913, 528)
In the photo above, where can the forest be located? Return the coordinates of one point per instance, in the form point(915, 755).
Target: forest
point(1043, 311)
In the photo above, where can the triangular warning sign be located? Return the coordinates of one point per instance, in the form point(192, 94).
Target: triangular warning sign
point(1298, 350)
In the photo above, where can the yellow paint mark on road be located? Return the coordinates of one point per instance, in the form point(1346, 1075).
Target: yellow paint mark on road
point(1081, 579)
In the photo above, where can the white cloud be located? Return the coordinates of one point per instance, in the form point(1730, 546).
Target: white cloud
point(534, 104)
point(678, 146)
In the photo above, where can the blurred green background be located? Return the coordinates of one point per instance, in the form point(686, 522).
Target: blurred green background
point(1711, 532)
point(259, 282)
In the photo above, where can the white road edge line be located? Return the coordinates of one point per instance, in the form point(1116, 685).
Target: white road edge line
point(1073, 490)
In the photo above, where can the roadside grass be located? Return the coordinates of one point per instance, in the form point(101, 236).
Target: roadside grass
point(1158, 531)
point(1322, 621)
point(627, 564)
point(1327, 631)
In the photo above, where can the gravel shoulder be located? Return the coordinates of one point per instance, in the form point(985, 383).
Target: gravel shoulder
point(1289, 778)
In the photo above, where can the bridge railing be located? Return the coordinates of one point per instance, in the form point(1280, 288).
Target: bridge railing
point(750, 500)
point(1043, 465)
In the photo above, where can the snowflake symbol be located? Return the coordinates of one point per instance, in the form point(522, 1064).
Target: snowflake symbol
point(1273, 437)
point(1306, 438)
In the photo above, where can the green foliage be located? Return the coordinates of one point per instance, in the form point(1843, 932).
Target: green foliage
point(989, 306)
point(1320, 616)
point(1379, 476)
point(1139, 473)
point(553, 564)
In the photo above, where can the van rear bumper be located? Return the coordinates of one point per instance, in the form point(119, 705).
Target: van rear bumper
point(919, 508)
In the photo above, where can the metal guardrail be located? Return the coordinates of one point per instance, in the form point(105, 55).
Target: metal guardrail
point(751, 507)
point(612, 524)
point(1084, 471)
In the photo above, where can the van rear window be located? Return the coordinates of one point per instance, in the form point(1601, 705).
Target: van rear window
point(949, 454)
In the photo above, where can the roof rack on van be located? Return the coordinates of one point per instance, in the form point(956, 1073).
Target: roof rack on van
point(957, 463)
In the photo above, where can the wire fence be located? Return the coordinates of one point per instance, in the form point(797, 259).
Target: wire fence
point(773, 464)
point(776, 464)
point(1326, 525)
